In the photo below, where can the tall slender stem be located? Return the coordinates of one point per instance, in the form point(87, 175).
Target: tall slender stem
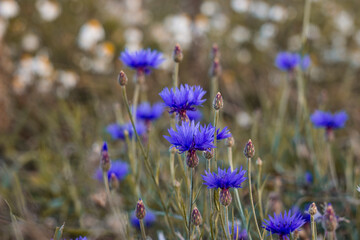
point(227, 229)
point(313, 228)
point(260, 193)
point(331, 164)
point(190, 201)
point(133, 142)
point(147, 163)
point(176, 76)
point(251, 198)
point(142, 229)
point(216, 119)
point(213, 88)
point(306, 22)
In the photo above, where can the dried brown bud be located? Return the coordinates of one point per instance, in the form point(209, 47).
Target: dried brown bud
point(192, 160)
point(140, 210)
point(218, 102)
point(177, 54)
point(329, 219)
point(225, 197)
point(230, 141)
point(122, 79)
point(208, 154)
point(249, 150)
point(196, 217)
point(312, 209)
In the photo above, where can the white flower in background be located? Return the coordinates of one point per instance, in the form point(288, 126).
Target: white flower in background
point(344, 22)
point(201, 25)
point(240, 34)
point(259, 9)
point(314, 32)
point(24, 73)
point(268, 30)
point(133, 38)
point(49, 10)
point(220, 22)
point(44, 85)
point(30, 42)
point(9, 9)
point(243, 56)
point(209, 8)
point(68, 79)
point(182, 32)
point(243, 119)
point(240, 6)
point(104, 55)
point(278, 13)
point(90, 34)
point(358, 188)
point(42, 66)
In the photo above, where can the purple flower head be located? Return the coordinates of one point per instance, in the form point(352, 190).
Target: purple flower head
point(119, 168)
point(304, 213)
point(283, 224)
point(309, 179)
point(223, 134)
point(305, 62)
point(191, 137)
point(287, 61)
point(195, 115)
point(327, 120)
point(147, 112)
point(117, 131)
point(183, 99)
point(241, 234)
point(143, 60)
point(81, 238)
point(104, 147)
point(149, 220)
point(224, 179)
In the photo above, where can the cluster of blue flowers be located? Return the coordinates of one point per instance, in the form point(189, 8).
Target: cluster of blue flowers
point(288, 61)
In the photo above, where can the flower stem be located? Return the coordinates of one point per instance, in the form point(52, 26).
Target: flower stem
point(227, 229)
point(190, 201)
point(331, 164)
point(223, 224)
point(216, 119)
point(313, 228)
point(176, 76)
point(260, 193)
point(142, 228)
point(251, 198)
point(147, 163)
point(210, 209)
point(213, 89)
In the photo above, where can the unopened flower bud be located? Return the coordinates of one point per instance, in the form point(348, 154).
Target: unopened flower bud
point(230, 141)
point(196, 217)
point(140, 210)
point(329, 219)
point(122, 79)
point(192, 160)
point(172, 150)
point(177, 54)
point(249, 150)
point(215, 70)
point(296, 234)
point(225, 197)
point(218, 101)
point(312, 209)
point(215, 53)
point(114, 182)
point(209, 154)
point(105, 159)
point(259, 162)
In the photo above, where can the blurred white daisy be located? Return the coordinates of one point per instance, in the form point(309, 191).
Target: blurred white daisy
point(240, 34)
point(182, 33)
point(30, 42)
point(344, 22)
point(240, 6)
point(42, 66)
point(209, 8)
point(49, 10)
point(9, 9)
point(68, 79)
point(90, 34)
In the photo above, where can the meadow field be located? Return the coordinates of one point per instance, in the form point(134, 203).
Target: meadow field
point(192, 119)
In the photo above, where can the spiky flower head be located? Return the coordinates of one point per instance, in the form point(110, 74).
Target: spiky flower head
point(105, 162)
point(147, 112)
point(283, 224)
point(191, 137)
point(122, 79)
point(218, 102)
point(329, 219)
point(327, 120)
point(148, 220)
point(223, 134)
point(118, 169)
point(183, 99)
point(143, 60)
point(117, 131)
point(224, 179)
point(194, 115)
point(196, 217)
point(287, 61)
point(140, 211)
point(249, 150)
point(177, 54)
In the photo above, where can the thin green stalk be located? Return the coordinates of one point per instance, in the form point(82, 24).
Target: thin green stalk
point(142, 228)
point(313, 228)
point(306, 22)
point(216, 119)
point(190, 201)
point(260, 193)
point(331, 164)
point(223, 224)
point(210, 209)
point(133, 142)
point(251, 198)
point(227, 229)
point(176, 76)
point(147, 163)
point(230, 157)
point(213, 89)
point(172, 152)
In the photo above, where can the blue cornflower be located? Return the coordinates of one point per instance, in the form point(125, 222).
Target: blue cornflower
point(283, 224)
point(223, 134)
point(117, 130)
point(118, 168)
point(143, 60)
point(81, 238)
point(327, 120)
point(149, 220)
point(194, 115)
point(304, 213)
point(190, 137)
point(309, 179)
point(183, 99)
point(147, 112)
point(305, 62)
point(241, 234)
point(224, 180)
point(287, 61)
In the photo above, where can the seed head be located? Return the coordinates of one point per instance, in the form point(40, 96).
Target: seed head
point(140, 210)
point(208, 154)
point(196, 217)
point(192, 160)
point(122, 79)
point(225, 197)
point(218, 101)
point(177, 54)
point(249, 150)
